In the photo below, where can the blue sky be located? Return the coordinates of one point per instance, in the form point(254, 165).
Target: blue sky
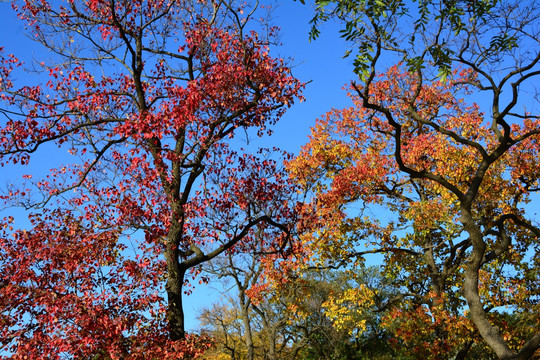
point(320, 62)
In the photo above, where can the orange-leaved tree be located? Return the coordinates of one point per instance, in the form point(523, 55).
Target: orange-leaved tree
point(413, 172)
point(452, 182)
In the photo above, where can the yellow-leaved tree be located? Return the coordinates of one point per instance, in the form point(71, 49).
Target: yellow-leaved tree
point(435, 167)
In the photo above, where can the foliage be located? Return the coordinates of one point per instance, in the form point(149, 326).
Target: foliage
point(145, 96)
point(419, 161)
point(297, 313)
point(248, 326)
point(224, 325)
point(458, 178)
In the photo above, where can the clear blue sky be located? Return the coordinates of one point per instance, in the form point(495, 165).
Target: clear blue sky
point(319, 62)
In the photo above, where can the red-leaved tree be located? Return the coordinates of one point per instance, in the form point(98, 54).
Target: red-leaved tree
point(145, 96)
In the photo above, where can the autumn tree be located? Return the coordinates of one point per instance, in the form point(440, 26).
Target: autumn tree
point(250, 323)
point(145, 96)
point(237, 271)
point(314, 317)
point(224, 324)
point(456, 181)
point(334, 320)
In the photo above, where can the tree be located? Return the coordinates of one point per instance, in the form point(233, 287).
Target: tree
point(244, 270)
point(312, 317)
point(335, 315)
point(253, 322)
point(224, 324)
point(145, 96)
point(459, 180)
point(350, 159)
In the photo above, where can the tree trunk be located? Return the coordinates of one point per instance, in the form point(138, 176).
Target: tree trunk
point(272, 330)
point(175, 313)
point(470, 291)
point(247, 328)
point(176, 273)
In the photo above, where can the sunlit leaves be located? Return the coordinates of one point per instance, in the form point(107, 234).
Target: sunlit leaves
point(392, 181)
point(144, 97)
